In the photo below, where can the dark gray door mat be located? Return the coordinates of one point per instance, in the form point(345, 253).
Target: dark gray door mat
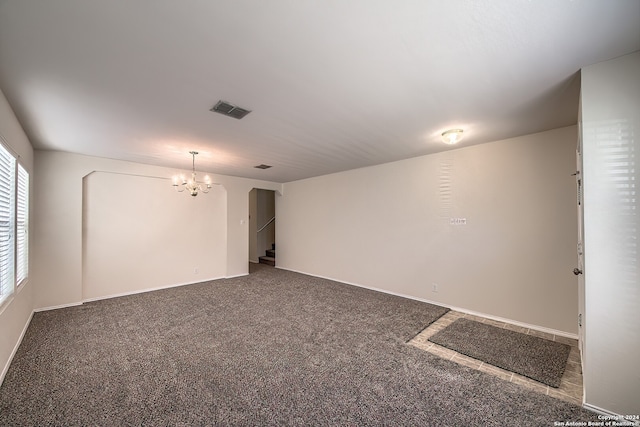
point(536, 358)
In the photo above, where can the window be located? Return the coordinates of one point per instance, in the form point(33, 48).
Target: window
point(22, 226)
point(14, 223)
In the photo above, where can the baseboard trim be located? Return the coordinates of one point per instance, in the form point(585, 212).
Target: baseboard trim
point(55, 307)
point(141, 291)
point(15, 348)
point(236, 275)
point(451, 307)
point(608, 415)
point(514, 322)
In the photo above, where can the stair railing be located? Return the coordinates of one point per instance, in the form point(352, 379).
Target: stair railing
point(265, 226)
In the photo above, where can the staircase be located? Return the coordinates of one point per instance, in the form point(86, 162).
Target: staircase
point(270, 256)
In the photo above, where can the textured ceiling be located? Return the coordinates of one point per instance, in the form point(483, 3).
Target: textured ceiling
point(332, 85)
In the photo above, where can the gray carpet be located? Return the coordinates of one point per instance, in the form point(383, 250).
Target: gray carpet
point(533, 357)
point(272, 348)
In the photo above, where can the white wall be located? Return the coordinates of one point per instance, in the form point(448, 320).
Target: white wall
point(611, 144)
point(58, 224)
point(388, 227)
point(16, 311)
point(140, 234)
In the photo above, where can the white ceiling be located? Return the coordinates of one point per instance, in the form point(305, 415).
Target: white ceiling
point(332, 85)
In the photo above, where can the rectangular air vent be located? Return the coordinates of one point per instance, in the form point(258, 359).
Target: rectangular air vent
point(228, 109)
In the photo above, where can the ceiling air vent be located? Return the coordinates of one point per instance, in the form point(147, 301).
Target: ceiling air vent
point(223, 107)
point(262, 166)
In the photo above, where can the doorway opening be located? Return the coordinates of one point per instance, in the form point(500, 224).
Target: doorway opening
point(262, 227)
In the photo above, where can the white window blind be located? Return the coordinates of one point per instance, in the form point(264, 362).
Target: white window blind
point(22, 225)
point(7, 224)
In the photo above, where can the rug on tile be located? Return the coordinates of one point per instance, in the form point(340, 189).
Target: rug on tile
point(536, 358)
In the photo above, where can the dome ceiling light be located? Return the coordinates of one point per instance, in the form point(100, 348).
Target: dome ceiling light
point(452, 136)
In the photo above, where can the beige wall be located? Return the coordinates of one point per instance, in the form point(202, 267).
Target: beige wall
point(139, 234)
point(58, 225)
point(611, 125)
point(388, 227)
point(16, 311)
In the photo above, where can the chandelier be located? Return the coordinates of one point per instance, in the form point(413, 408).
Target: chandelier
point(181, 183)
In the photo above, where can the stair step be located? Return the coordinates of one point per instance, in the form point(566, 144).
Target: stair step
point(271, 253)
point(267, 260)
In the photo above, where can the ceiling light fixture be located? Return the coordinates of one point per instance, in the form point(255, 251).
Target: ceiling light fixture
point(452, 136)
point(181, 183)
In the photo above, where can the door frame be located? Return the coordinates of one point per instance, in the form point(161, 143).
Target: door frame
point(580, 246)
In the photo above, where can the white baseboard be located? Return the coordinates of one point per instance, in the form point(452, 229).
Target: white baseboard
point(15, 348)
point(609, 416)
point(141, 291)
point(138, 291)
point(55, 307)
point(236, 275)
point(451, 307)
point(513, 322)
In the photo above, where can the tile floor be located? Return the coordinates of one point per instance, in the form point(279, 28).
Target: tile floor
point(570, 388)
